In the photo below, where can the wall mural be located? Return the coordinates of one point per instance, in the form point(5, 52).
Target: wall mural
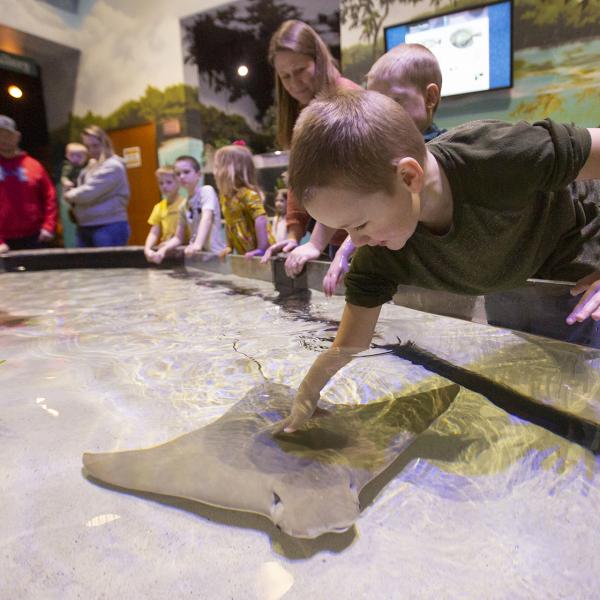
point(556, 57)
point(218, 42)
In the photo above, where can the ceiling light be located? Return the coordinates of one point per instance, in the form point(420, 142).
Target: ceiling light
point(15, 91)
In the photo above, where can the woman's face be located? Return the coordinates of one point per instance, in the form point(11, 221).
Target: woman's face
point(93, 145)
point(297, 74)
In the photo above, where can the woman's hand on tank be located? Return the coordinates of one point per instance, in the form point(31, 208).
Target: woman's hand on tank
point(285, 246)
point(589, 305)
point(295, 262)
point(4, 248)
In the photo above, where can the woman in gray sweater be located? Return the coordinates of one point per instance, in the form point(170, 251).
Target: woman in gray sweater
point(100, 199)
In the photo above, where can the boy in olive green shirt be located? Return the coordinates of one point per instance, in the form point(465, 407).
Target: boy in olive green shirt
point(480, 209)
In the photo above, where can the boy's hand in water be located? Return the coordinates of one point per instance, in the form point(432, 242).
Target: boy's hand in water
point(305, 404)
point(589, 305)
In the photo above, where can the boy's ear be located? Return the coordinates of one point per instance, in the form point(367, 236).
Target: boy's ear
point(432, 96)
point(409, 174)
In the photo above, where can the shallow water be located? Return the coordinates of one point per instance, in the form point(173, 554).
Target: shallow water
point(483, 505)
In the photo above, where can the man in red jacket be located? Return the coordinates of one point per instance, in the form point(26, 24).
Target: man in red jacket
point(27, 196)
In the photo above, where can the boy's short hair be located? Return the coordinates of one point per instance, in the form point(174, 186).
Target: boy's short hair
point(408, 63)
point(165, 170)
point(75, 147)
point(351, 140)
point(193, 161)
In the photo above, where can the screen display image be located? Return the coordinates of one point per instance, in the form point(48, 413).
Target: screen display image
point(473, 46)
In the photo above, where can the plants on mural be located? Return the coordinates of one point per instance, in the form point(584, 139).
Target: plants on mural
point(176, 102)
point(551, 22)
point(370, 16)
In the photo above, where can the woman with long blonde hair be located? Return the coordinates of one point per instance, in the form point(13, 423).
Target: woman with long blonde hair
point(304, 68)
point(100, 199)
point(246, 225)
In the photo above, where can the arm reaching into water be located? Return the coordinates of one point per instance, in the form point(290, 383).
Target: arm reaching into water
point(354, 335)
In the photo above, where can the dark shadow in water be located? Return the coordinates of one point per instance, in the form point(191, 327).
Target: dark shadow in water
point(572, 427)
point(296, 302)
point(286, 545)
point(428, 446)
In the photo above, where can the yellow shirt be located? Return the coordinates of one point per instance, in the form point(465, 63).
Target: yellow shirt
point(239, 213)
point(167, 215)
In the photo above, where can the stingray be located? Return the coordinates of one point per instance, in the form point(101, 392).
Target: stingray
point(307, 483)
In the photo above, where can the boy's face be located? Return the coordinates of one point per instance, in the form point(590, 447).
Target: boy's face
point(411, 99)
point(168, 185)
point(376, 219)
point(77, 157)
point(187, 176)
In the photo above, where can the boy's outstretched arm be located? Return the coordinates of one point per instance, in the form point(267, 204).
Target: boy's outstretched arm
point(354, 335)
point(591, 168)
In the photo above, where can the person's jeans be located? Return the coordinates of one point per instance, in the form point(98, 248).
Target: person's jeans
point(98, 236)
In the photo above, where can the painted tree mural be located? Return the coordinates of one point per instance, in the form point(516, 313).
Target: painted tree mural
point(219, 41)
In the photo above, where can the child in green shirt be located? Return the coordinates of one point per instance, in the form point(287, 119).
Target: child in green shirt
point(481, 208)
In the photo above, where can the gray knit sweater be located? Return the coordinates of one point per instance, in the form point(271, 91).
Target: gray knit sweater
point(102, 194)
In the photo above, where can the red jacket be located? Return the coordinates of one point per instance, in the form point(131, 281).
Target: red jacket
point(27, 198)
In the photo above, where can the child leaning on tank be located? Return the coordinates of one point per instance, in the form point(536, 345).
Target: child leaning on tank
point(479, 209)
point(200, 214)
point(165, 215)
point(247, 228)
point(409, 74)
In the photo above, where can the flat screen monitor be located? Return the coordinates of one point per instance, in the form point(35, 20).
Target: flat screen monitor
point(473, 46)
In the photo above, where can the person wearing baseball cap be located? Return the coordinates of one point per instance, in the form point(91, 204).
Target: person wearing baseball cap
point(28, 209)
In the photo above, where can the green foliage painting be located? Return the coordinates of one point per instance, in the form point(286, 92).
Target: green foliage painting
point(179, 102)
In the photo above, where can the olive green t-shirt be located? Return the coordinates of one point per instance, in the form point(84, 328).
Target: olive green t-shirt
point(517, 213)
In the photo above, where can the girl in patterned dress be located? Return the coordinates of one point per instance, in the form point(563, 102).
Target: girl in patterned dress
point(246, 225)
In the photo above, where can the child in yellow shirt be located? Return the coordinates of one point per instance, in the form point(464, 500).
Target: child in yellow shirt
point(165, 214)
